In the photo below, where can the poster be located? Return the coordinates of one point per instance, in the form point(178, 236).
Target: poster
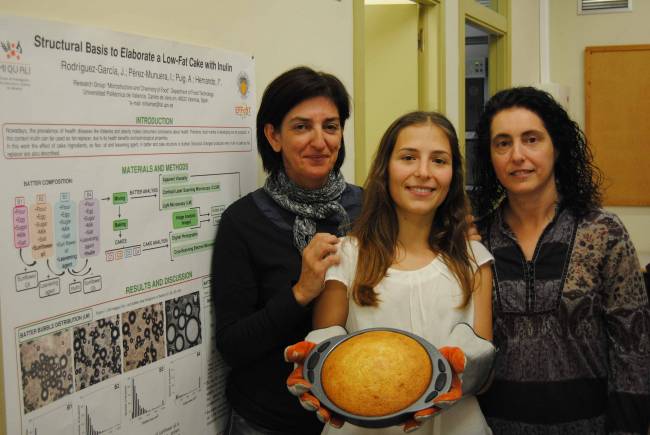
point(119, 154)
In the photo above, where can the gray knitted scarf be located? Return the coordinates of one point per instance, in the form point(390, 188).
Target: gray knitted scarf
point(308, 205)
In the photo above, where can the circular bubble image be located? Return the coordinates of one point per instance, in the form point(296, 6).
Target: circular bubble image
point(183, 317)
point(97, 351)
point(143, 339)
point(46, 372)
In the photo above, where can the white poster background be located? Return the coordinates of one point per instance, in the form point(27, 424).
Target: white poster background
point(119, 154)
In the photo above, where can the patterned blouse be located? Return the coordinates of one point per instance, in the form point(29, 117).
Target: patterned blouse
point(572, 327)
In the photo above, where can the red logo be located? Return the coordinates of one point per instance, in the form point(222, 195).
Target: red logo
point(12, 49)
point(243, 110)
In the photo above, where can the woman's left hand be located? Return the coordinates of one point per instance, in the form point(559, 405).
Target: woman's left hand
point(457, 359)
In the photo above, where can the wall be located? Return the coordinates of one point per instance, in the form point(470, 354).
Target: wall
point(391, 68)
point(280, 34)
point(451, 65)
point(570, 34)
point(525, 42)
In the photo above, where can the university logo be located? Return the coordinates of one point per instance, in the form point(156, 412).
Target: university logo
point(243, 84)
point(243, 110)
point(12, 49)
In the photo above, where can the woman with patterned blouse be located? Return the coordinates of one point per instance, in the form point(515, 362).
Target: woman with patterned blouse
point(571, 315)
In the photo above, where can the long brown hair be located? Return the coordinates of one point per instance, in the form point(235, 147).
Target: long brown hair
point(377, 227)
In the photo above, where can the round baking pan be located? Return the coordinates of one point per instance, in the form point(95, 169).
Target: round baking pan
point(440, 380)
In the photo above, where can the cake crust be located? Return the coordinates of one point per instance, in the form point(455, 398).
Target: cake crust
point(376, 373)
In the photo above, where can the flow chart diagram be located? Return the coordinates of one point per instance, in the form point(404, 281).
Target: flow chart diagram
point(60, 245)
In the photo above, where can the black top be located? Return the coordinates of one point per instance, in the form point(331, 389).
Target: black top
point(254, 267)
point(572, 327)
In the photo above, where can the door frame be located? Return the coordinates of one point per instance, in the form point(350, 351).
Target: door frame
point(496, 22)
point(431, 72)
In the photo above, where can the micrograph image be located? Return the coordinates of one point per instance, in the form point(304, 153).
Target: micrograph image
point(143, 336)
point(97, 351)
point(183, 323)
point(46, 369)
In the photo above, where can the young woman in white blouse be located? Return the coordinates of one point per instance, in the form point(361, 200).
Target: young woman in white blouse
point(407, 263)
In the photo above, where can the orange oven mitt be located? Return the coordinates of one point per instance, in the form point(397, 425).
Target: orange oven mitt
point(471, 358)
point(299, 386)
point(456, 359)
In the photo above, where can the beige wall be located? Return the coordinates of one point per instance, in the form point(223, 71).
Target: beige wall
point(279, 33)
point(525, 42)
point(451, 64)
point(391, 68)
point(570, 34)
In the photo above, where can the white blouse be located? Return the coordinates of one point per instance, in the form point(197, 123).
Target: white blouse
point(425, 302)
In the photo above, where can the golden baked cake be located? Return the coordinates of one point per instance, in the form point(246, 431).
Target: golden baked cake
point(376, 373)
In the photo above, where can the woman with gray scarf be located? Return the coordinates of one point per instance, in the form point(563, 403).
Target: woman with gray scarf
point(275, 244)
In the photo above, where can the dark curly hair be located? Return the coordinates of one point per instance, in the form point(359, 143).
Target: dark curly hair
point(578, 181)
point(284, 93)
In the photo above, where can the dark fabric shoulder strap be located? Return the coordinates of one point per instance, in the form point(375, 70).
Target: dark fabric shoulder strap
point(352, 200)
point(270, 209)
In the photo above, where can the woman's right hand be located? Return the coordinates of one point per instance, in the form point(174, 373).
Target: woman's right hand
point(299, 386)
point(318, 256)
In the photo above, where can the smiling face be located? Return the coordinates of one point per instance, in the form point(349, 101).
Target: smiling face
point(522, 153)
point(309, 139)
point(420, 170)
